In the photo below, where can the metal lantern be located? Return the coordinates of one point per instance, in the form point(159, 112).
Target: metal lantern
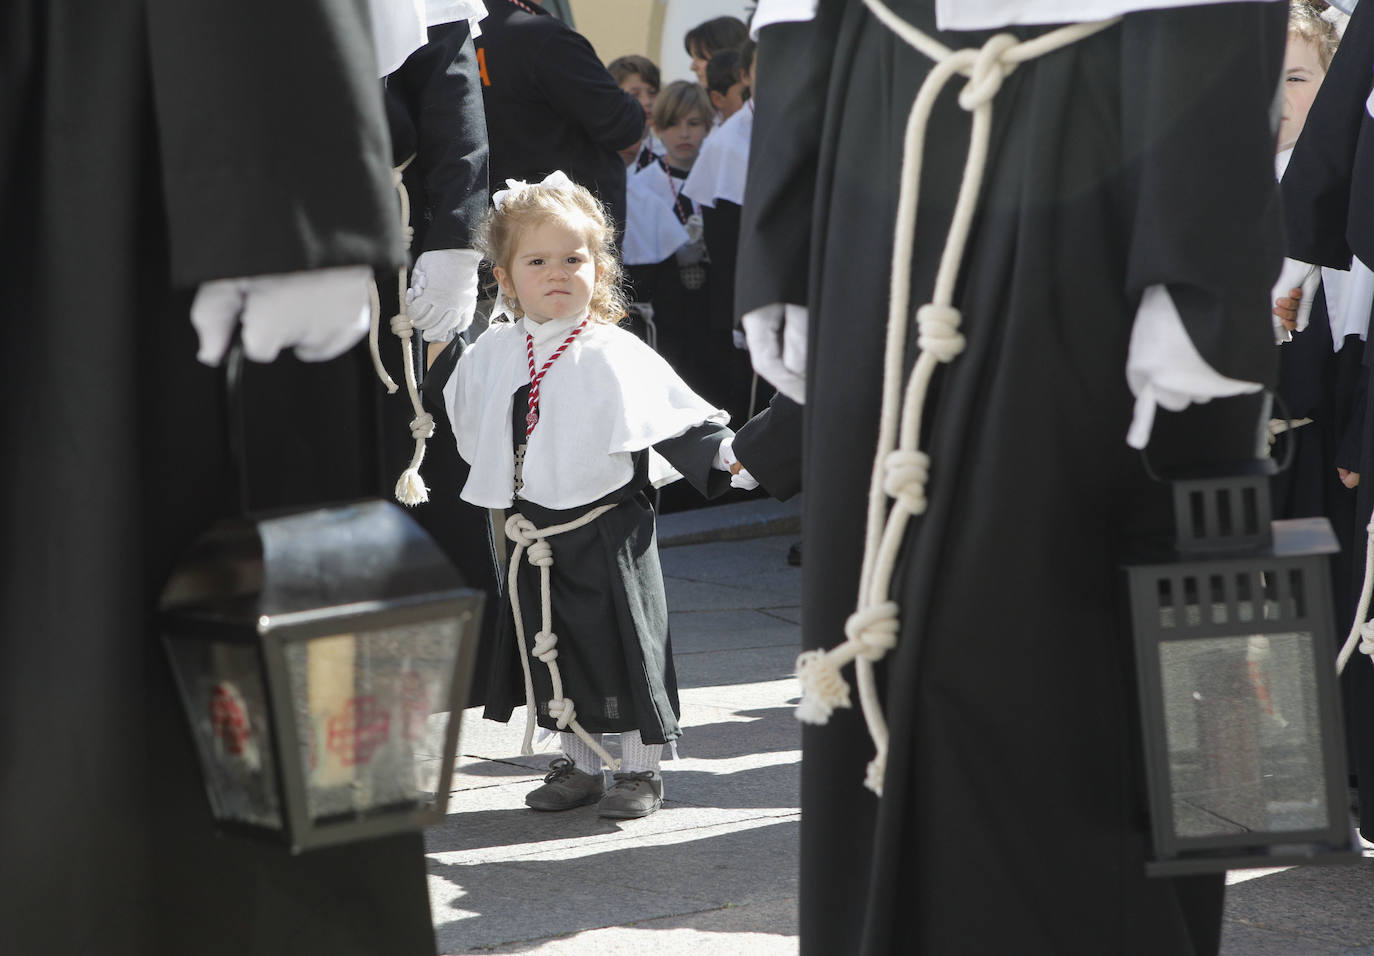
point(1240, 708)
point(324, 659)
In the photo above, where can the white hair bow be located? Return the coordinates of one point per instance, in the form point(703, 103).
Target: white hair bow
point(518, 187)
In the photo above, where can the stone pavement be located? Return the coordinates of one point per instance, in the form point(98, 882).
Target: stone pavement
point(715, 870)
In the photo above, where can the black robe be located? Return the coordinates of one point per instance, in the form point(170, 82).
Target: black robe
point(146, 147)
point(1328, 202)
point(1012, 819)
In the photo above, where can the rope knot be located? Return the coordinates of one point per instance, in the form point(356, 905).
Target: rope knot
point(823, 688)
point(545, 646)
point(521, 530)
point(874, 629)
point(987, 72)
point(563, 712)
point(541, 553)
point(407, 236)
point(877, 770)
point(422, 426)
point(939, 331)
point(905, 475)
point(401, 326)
point(1367, 638)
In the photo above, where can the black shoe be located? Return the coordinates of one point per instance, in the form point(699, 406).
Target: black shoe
point(565, 787)
point(634, 794)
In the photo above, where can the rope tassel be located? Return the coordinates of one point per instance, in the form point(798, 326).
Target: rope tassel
point(901, 470)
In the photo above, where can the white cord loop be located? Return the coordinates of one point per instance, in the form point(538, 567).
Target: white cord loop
point(527, 537)
point(401, 326)
point(900, 469)
point(1358, 639)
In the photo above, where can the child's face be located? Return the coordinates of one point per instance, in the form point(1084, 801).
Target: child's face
point(683, 139)
point(729, 102)
point(634, 85)
point(1302, 77)
point(552, 273)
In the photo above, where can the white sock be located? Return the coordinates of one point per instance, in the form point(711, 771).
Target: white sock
point(583, 757)
point(635, 754)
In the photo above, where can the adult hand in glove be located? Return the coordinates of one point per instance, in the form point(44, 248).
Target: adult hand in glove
point(777, 347)
point(443, 292)
point(319, 314)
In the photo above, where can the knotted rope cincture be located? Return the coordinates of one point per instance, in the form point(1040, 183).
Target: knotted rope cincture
point(410, 487)
point(526, 537)
point(900, 468)
point(1361, 636)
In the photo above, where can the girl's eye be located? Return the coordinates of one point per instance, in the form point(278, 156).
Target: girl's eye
point(1297, 79)
point(536, 262)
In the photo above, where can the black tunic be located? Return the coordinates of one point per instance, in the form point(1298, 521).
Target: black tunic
point(1011, 819)
point(145, 147)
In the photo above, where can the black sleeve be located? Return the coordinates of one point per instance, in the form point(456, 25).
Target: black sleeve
point(769, 445)
point(275, 156)
point(693, 452)
point(1317, 184)
point(442, 86)
point(1351, 448)
point(793, 65)
point(569, 75)
point(1198, 83)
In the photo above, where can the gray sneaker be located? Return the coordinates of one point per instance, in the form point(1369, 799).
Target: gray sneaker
point(634, 794)
point(566, 787)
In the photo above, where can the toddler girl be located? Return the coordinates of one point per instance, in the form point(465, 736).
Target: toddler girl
point(566, 420)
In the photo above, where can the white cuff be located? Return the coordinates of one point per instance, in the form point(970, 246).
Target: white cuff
point(1164, 368)
point(1295, 274)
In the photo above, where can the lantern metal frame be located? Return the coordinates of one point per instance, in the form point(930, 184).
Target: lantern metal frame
point(1232, 557)
point(195, 613)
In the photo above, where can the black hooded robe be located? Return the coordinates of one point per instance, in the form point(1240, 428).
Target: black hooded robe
point(1012, 817)
point(146, 147)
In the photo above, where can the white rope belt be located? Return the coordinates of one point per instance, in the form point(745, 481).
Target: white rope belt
point(410, 488)
point(527, 537)
point(900, 468)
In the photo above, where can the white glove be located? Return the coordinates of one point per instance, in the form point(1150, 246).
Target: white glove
point(320, 314)
point(777, 346)
point(726, 461)
point(443, 292)
point(741, 343)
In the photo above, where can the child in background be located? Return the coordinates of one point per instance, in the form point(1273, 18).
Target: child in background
point(638, 76)
point(716, 183)
point(710, 37)
point(664, 249)
point(725, 84)
point(567, 420)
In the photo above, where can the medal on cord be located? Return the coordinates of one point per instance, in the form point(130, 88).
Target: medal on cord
point(532, 416)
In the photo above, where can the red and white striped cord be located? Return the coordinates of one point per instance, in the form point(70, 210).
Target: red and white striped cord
point(532, 416)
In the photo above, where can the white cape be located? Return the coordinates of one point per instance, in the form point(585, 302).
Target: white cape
point(607, 396)
point(723, 164)
point(652, 230)
point(400, 27)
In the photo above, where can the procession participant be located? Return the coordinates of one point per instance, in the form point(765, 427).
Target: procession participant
point(1007, 755)
point(567, 420)
point(185, 166)
point(1327, 200)
point(550, 104)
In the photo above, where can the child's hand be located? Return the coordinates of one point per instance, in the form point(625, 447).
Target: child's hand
point(1286, 308)
point(1348, 478)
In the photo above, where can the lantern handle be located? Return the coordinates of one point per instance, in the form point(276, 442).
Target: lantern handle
point(1288, 446)
point(236, 415)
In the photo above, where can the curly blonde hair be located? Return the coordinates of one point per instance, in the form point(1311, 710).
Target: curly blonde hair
point(1306, 21)
point(574, 207)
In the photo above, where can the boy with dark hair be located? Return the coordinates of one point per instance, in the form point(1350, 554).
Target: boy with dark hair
point(724, 84)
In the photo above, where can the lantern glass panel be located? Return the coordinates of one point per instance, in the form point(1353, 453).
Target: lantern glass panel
point(371, 714)
point(1244, 735)
point(222, 688)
